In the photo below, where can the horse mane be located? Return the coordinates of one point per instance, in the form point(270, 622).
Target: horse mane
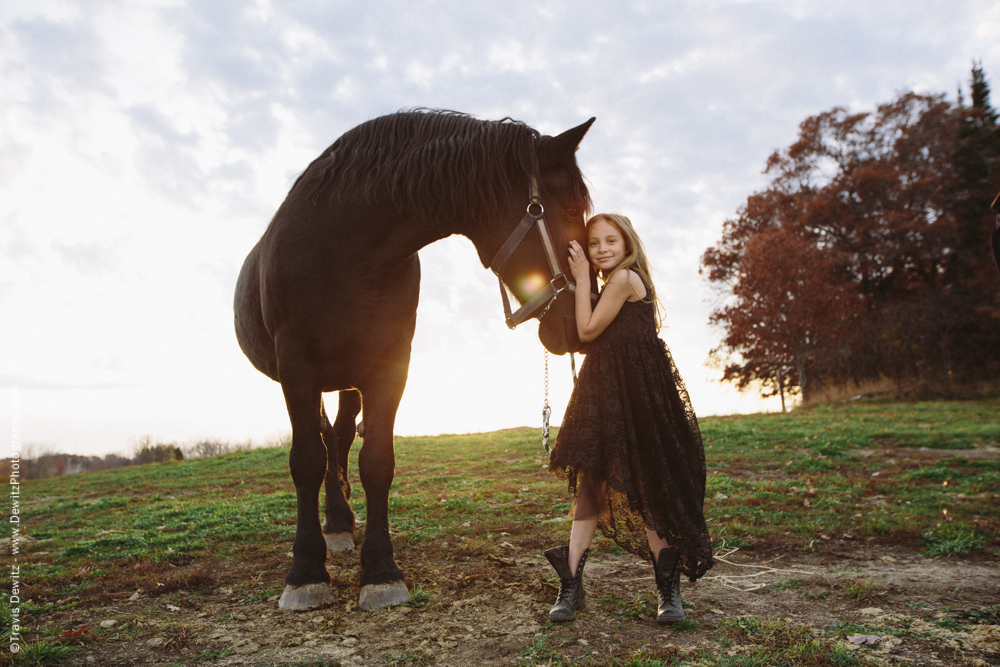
point(431, 162)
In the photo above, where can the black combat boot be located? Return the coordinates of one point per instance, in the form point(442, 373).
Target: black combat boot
point(668, 585)
point(571, 596)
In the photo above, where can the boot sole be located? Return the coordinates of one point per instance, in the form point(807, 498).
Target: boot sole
point(565, 619)
point(670, 620)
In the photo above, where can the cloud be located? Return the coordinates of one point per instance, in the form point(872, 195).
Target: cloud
point(87, 258)
point(63, 49)
point(145, 146)
point(149, 120)
point(15, 243)
point(26, 383)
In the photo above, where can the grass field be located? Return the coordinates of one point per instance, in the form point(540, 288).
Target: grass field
point(470, 512)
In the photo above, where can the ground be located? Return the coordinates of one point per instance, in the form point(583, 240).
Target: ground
point(492, 611)
point(854, 535)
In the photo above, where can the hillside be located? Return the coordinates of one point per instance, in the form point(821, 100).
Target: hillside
point(832, 510)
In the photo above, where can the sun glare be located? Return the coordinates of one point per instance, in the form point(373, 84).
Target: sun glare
point(532, 283)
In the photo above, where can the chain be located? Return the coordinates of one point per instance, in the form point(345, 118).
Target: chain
point(546, 410)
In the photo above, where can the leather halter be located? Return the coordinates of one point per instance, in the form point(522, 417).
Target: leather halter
point(542, 300)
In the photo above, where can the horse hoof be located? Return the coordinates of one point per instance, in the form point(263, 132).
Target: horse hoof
point(337, 542)
point(374, 596)
point(302, 598)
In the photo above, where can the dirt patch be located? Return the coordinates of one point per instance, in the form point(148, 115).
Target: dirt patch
point(491, 609)
point(986, 453)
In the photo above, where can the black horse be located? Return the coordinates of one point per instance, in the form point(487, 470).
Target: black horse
point(327, 299)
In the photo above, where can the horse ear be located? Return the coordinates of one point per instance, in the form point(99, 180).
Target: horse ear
point(566, 143)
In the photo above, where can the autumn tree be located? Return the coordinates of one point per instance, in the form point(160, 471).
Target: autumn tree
point(790, 315)
point(865, 256)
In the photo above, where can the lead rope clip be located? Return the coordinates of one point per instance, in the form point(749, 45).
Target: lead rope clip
point(546, 410)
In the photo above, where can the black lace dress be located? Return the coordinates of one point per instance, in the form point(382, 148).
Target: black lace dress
point(630, 423)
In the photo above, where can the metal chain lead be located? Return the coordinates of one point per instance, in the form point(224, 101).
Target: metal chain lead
point(546, 410)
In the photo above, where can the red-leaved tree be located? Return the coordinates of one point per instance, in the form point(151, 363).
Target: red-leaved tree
point(867, 255)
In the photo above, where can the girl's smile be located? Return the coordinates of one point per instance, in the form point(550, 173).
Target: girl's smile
point(605, 246)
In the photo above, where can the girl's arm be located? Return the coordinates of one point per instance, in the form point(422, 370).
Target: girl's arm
point(591, 322)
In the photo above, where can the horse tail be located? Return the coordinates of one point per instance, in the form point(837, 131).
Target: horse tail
point(253, 337)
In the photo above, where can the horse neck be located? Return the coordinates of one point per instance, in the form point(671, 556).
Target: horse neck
point(410, 235)
point(488, 230)
point(384, 231)
point(491, 232)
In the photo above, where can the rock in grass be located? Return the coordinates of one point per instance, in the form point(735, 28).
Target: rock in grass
point(870, 640)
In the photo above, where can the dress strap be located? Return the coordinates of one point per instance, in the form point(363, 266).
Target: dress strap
point(641, 298)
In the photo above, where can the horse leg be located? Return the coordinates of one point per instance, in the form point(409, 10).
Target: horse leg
point(381, 581)
point(307, 584)
point(338, 529)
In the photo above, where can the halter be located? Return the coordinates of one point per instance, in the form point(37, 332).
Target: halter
point(542, 300)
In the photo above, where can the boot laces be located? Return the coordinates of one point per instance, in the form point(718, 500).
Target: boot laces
point(566, 590)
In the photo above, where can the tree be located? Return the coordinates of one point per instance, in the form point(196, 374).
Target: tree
point(865, 256)
point(144, 451)
point(977, 160)
point(789, 317)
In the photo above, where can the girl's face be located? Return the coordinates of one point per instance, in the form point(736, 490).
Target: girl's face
point(605, 246)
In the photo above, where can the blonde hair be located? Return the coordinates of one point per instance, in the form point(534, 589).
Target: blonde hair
point(635, 259)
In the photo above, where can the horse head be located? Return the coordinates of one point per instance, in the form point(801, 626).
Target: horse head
point(534, 262)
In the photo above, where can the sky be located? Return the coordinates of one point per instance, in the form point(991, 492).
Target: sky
point(144, 147)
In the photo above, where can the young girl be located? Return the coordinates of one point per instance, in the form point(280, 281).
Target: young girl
point(629, 444)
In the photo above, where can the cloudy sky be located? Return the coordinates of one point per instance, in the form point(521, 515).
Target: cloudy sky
point(144, 147)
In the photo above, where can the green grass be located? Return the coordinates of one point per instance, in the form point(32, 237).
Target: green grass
point(212, 655)
point(538, 652)
point(786, 585)
point(400, 658)
point(864, 590)
point(644, 658)
point(638, 608)
point(952, 540)
point(419, 598)
point(804, 480)
point(844, 629)
point(684, 625)
point(41, 651)
point(777, 643)
point(988, 615)
point(853, 470)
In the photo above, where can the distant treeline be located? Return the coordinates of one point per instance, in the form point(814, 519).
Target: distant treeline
point(145, 451)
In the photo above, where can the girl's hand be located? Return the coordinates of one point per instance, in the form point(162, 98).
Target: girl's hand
point(579, 264)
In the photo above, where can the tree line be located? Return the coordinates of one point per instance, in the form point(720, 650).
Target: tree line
point(868, 254)
point(40, 466)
